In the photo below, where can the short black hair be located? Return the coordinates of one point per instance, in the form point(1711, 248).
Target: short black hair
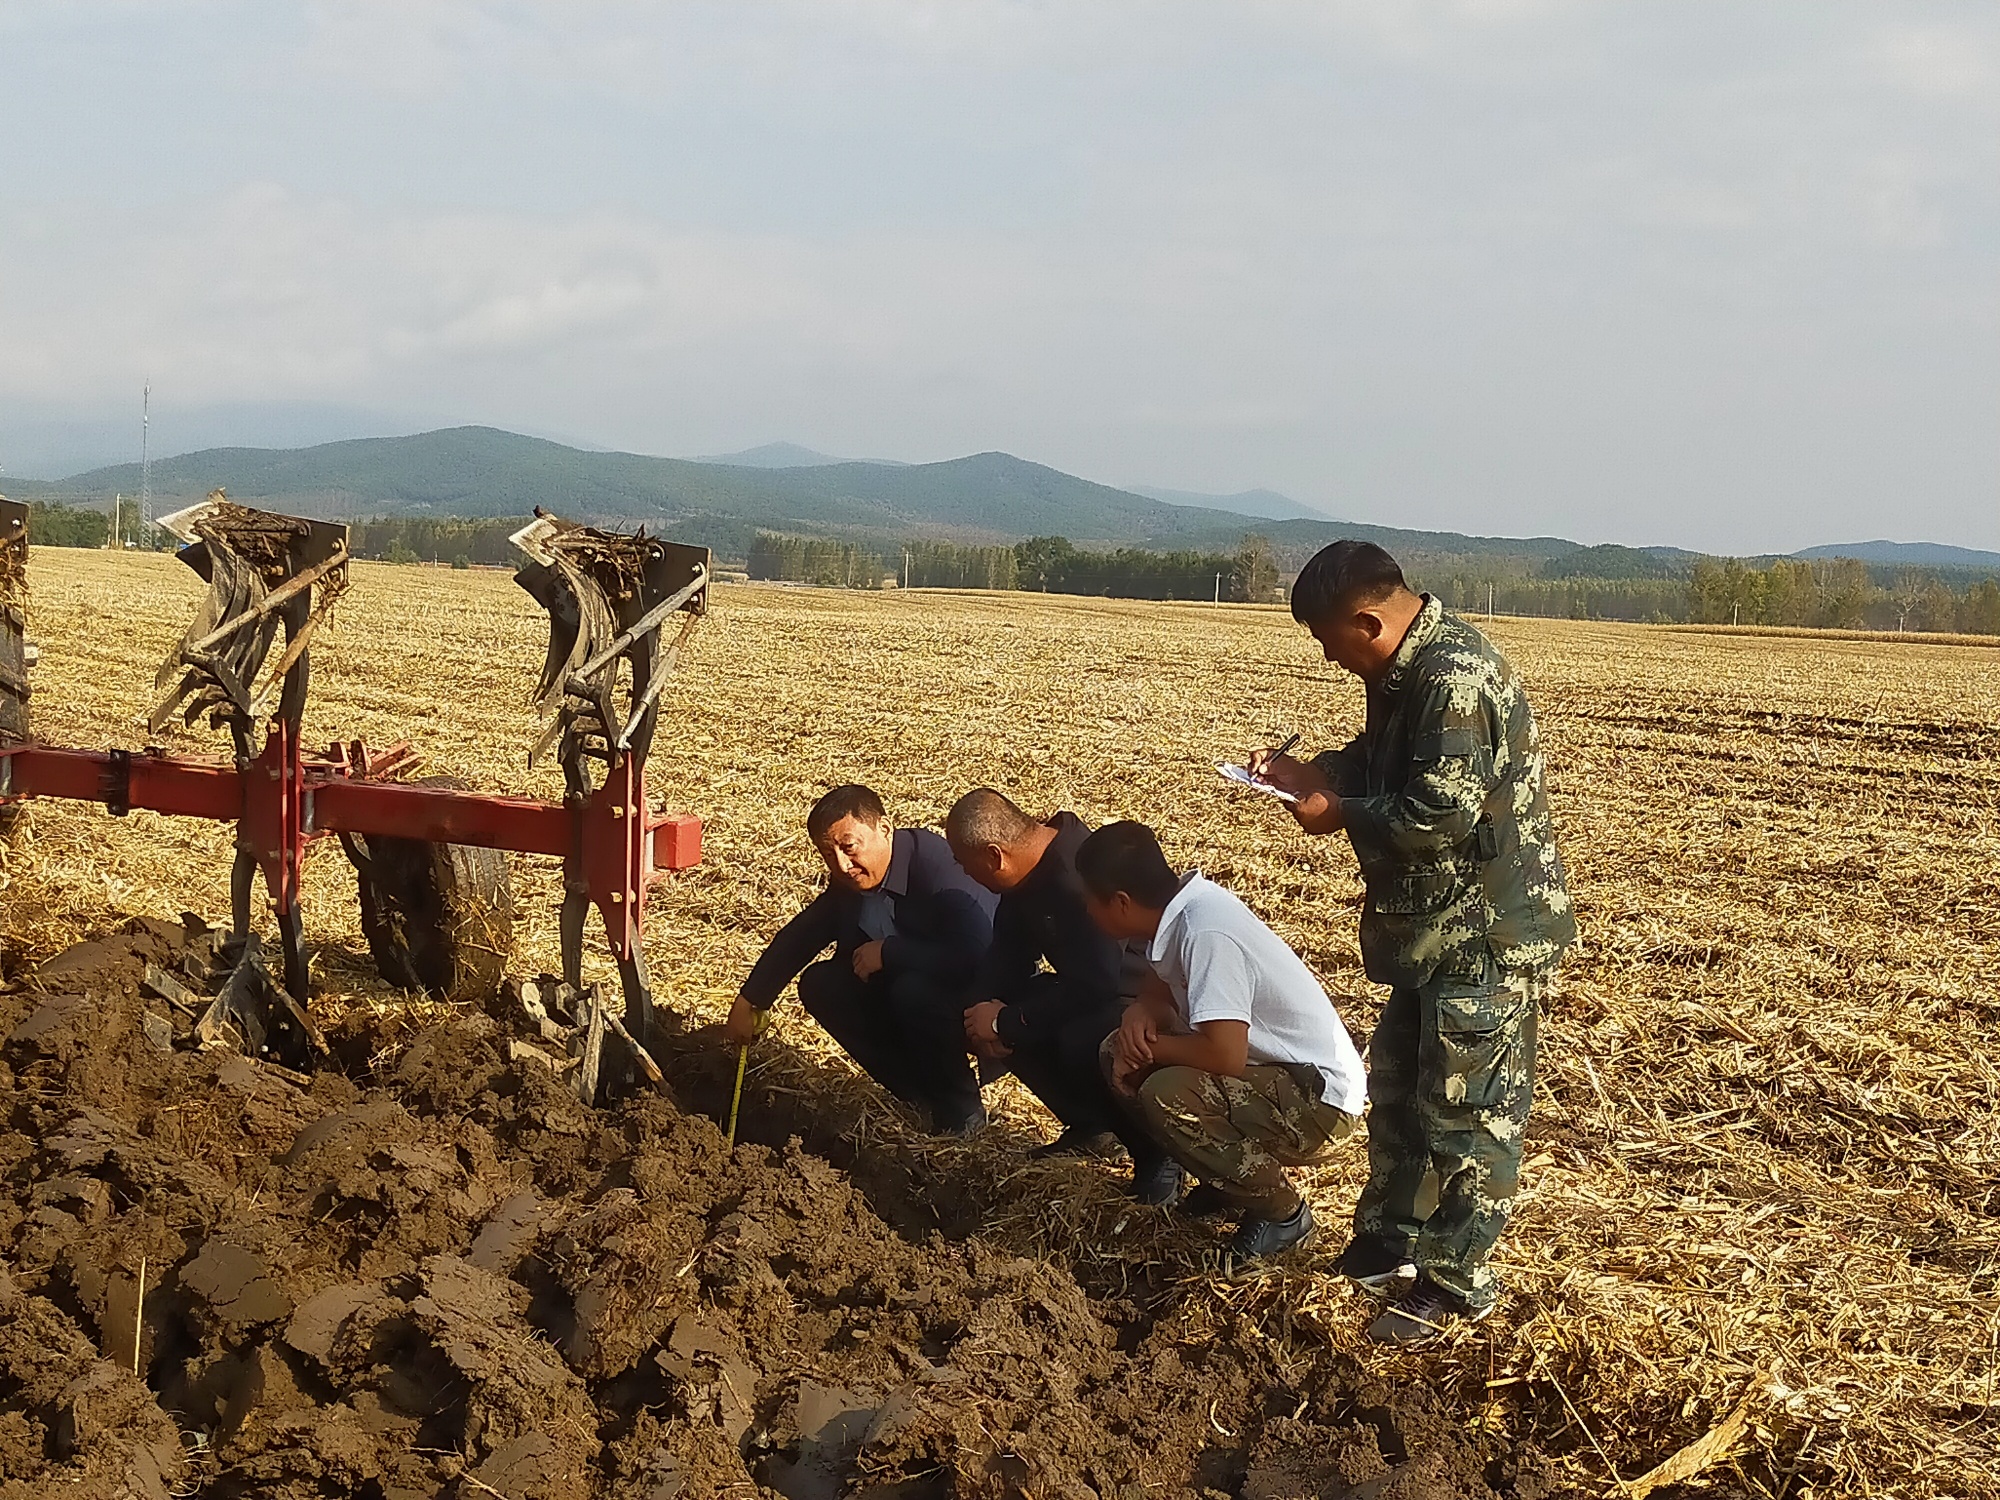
point(1344, 573)
point(982, 817)
point(849, 801)
point(1126, 857)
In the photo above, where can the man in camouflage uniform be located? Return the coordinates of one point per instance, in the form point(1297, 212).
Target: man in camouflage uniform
point(1442, 797)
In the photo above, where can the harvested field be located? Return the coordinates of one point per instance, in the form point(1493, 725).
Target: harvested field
point(1764, 1168)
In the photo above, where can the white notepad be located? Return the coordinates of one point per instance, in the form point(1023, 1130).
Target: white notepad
point(1242, 777)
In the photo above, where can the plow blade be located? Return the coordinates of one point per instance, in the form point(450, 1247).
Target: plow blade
point(609, 597)
point(264, 571)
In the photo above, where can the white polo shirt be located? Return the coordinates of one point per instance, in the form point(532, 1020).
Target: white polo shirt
point(1223, 964)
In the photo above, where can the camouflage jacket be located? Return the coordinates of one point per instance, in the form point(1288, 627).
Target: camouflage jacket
point(1442, 796)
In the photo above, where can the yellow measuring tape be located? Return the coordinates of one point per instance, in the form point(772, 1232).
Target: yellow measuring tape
point(736, 1095)
point(736, 1098)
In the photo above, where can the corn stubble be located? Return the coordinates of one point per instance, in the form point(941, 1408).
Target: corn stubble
point(1765, 1161)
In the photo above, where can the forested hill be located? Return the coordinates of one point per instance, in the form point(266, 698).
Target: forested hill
point(483, 472)
point(479, 471)
point(986, 498)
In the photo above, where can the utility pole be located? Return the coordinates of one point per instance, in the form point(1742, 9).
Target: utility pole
point(1489, 600)
point(117, 501)
point(1218, 588)
point(146, 461)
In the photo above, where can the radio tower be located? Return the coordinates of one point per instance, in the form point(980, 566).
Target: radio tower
point(145, 464)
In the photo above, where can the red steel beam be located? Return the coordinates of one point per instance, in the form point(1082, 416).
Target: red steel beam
point(386, 809)
point(188, 788)
point(333, 803)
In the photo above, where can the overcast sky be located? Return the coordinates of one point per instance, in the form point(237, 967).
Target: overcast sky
point(1723, 275)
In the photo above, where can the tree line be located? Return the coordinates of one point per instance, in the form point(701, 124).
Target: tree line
point(1043, 564)
point(65, 526)
point(1841, 594)
point(1832, 593)
point(53, 524)
point(451, 540)
point(1650, 601)
point(1824, 594)
point(445, 539)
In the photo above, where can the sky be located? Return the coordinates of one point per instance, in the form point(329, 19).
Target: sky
point(1717, 275)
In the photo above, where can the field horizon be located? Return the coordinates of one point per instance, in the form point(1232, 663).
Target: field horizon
point(1762, 1165)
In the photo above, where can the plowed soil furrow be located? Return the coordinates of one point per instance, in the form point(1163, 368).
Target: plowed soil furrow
point(432, 1272)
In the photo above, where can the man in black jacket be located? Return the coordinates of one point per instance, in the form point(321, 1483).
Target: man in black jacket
point(908, 930)
point(1048, 1026)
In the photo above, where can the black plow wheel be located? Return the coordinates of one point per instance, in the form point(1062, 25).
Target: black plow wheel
point(438, 917)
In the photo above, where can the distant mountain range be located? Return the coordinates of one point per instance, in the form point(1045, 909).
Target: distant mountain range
point(1909, 554)
point(1266, 503)
point(787, 456)
point(480, 471)
point(722, 501)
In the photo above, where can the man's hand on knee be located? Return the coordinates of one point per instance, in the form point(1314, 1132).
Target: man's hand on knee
point(1132, 1047)
point(867, 960)
point(982, 1033)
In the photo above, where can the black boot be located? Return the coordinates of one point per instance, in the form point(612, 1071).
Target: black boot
point(962, 1126)
point(1157, 1182)
point(1260, 1239)
point(1425, 1312)
point(1207, 1201)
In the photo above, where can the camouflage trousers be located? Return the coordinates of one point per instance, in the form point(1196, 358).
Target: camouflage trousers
point(1451, 1070)
point(1240, 1134)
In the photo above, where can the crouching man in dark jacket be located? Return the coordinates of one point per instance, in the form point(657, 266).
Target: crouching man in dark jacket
point(1048, 1024)
point(908, 930)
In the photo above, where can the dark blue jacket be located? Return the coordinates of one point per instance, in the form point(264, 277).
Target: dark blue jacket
point(941, 922)
point(1043, 920)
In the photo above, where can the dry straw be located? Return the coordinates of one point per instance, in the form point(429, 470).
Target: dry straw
point(1763, 1198)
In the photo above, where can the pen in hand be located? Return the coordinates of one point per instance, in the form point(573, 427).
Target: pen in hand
point(1259, 764)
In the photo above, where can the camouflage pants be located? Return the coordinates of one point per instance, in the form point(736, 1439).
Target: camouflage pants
point(1451, 1070)
point(1239, 1134)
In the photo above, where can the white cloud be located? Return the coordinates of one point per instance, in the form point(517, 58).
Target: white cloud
point(1944, 61)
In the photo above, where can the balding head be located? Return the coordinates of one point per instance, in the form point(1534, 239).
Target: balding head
point(986, 817)
point(993, 840)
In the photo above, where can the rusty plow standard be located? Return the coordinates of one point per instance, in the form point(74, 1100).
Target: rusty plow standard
point(435, 903)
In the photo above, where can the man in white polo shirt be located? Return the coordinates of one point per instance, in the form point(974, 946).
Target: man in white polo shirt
point(1234, 1057)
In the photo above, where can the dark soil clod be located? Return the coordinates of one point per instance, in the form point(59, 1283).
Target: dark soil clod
point(449, 1278)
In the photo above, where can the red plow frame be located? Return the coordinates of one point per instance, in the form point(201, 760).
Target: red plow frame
point(613, 844)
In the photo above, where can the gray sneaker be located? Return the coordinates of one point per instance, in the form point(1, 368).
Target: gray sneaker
point(1157, 1183)
point(1425, 1312)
